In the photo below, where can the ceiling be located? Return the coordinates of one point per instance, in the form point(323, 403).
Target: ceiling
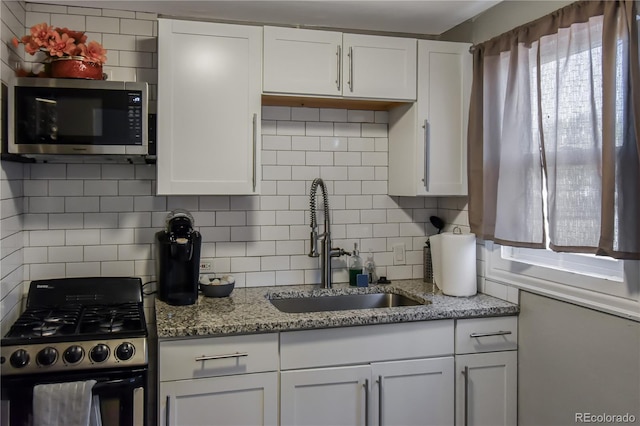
point(426, 17)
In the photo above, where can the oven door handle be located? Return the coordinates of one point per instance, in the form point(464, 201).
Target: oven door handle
point(137, 381)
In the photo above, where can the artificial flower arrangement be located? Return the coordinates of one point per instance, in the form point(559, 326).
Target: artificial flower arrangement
point(63, 43)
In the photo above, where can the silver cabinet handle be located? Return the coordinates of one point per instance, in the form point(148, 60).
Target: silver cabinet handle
point(493, 333)
point(255, 148)
point(427, 153)
point(339, 75)
point(138, 406)
point(351, 69)
point(466, 395)
point(167, 411)
point(379, 400)
point(235, 355)
point(366, 402)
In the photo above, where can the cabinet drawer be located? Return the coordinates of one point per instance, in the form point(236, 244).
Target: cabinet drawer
point(486, 335)
point(365, 344)
point(217, 356)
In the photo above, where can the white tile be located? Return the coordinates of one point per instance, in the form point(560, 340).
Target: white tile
point(412, 229)
point(135, 59)
point(346, 216)
point(116, 204)
point(359, 231)
point(289, 277)
point(100, 220)
point(45, 8)
point(374, 159)
point(333, 143)
point(261, 248)
point(204, 218)
point(269, 158)
point(274, 233)
point(305, 114)
point(349, 188)
point(290, 217)
point(118, 13)
point(273, 263)
point(103, 24)
point(291, 158)
point(312, 276)
point(319, 158)
point(46, 204)
point(187, 202)
point(361, 173)
point(276, 172)
point(100, 187)
point(359, 116)
point(231, 249)
point(134, 220)
point(136, 27)
point(134, 251)
point(374, 187)
point(305, 172)
point(305, 143)
point(144, 235)
point(147, 75)
point(381, 116)
point(35, 255)
point(348, 159)
point(117, 269)
point(215, 233)
point(245, 233)
point(46, 271)
point(82, 204)
point(361, 144)
point(290, 247)
point(145, 171)
point(231, 218)
point(304, 262)
point(404, 272)
point(319, 128)
point(118, 171)
point(214, 202)
point(32, 222)
point(358, 202)
point(346, 129)
point(277, 143)
point(291, 188)
point(374, 130)
point(147, 16)
point(269, 127)
point(330, 173)
point(65, 254)
point(82, 269)
point(48, 171)
point(299, 232)
point(260, 279)
point(330, 114)
point(88, 11)
point(35, 188)
point(290, 128)
point(75, 22)
point(116, 236)
point(83, 171)
point(100, 253)
point(261, 217)
point(381, 144)
point(66, 221)
point(81, 237)
point(149, 203)
point(134, 187)
point(386, 230)
point(46, 238)
point(119, 42)
point(276, 113)
point(65, 187)
point(276, 202)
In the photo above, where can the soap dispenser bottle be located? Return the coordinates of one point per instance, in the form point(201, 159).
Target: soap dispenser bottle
point(370, 268)
point(355, 266)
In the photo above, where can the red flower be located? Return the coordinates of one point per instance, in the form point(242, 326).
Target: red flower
point(93, 51)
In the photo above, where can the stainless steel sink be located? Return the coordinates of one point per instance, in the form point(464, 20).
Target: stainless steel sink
point(343, 302)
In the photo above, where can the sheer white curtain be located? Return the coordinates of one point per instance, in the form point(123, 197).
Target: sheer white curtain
point(557, 103)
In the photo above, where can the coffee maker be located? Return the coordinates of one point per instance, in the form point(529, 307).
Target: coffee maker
point(178, 259)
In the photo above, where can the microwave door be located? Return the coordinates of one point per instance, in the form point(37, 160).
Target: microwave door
point(46, 120)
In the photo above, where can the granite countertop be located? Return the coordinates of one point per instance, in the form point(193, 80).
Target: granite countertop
point(248, 310)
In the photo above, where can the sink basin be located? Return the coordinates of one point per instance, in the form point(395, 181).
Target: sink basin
point(343, 302)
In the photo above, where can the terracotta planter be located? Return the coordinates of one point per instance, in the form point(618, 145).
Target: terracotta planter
point(75, 67)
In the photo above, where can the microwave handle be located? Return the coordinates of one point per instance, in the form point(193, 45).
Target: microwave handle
point(255, 148)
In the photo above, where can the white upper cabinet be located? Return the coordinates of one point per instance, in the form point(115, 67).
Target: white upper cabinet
point(209, 103)
point(428, 139)
point(326, 63)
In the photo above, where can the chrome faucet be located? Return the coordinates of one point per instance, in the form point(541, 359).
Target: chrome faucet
point(326, 251)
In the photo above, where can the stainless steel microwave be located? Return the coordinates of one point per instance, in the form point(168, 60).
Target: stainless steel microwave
point(74, 117)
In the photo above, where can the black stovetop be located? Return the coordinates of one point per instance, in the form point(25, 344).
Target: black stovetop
point(73, 309)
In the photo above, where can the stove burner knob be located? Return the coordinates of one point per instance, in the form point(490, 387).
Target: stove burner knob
point(99, 353)
point(19, 358)
point(47, 356)
point(125, 351)
point(73, 354)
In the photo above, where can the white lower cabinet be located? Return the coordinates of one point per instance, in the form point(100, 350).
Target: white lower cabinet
point(245, 399)
point(487, 372)
point(413, 392)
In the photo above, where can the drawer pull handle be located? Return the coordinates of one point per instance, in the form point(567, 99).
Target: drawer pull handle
point(208, 357)
point(493, 333)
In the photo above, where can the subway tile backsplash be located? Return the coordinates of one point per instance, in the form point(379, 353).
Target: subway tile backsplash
point(85, 219)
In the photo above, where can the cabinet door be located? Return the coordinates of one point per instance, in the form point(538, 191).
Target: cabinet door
point(444, 88)
point(486, 389)
point(302, 61)
point(246, 399)
point(325, 396)
point(416, 392)
point(379, 67)
point(209, 94)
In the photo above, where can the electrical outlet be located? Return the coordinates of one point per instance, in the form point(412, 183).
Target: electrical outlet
point(205, 265)
point(399, 254)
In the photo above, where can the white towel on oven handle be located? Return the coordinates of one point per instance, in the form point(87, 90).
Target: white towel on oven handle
point(65, 404)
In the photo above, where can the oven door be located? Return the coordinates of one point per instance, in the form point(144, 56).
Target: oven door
point(121, 394)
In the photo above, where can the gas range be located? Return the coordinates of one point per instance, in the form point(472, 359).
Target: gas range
point(75, 324)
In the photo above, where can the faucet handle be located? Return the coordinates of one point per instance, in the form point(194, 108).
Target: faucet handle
point(313, 251)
